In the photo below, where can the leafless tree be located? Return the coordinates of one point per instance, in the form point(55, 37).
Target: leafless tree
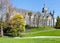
point(2, 6)
point(30, 14)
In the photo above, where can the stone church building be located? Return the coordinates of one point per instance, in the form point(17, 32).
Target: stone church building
point(43, 18)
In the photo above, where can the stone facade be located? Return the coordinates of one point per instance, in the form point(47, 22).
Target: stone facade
point(43, 18)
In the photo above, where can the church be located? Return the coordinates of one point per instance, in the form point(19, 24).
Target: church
point(43, 18)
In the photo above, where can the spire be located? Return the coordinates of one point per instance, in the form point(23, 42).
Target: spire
point(44, 4)
point(53, 12)
point(44, 9)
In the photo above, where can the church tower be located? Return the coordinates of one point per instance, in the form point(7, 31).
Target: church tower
point(44, 9)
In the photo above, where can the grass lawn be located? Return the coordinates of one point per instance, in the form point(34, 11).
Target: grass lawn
point(44, 33)
point(37, 40)
point(42, 28)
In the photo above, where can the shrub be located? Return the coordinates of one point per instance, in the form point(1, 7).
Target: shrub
point(16, 25)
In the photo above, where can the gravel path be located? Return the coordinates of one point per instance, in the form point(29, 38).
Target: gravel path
point(37, 37)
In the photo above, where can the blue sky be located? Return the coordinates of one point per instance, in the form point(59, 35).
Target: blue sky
point(36, 5)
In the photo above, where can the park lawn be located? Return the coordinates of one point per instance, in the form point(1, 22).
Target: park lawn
point(36, 40)
point(42, 28)
point(44, 33)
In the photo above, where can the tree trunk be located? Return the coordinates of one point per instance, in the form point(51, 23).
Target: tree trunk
point(53, 22)
point(29, 20)
point(1, 31)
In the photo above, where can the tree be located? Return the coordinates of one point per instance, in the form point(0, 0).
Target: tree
point(34, 20)
point(30, 14)
point(38, 18)
point(58, 22)
point(16, 25)
point(7, 11)
point(1, 27)
point(3, 8)
point(1, 14)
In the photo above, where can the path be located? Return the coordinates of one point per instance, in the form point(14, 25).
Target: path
point(37, 37)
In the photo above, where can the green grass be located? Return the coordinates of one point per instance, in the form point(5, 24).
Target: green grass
point(44, 33)
point(40, 29)
point(36, 32)
point(37, 40)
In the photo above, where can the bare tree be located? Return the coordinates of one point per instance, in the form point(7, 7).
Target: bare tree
point(8, 9)
point(38, 18)
point(1, 14)
point(34, 20)
point(3, 6)
point(30, 14)
point(1, 25)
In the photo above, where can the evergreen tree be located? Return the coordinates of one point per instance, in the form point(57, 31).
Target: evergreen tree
point(58, 22)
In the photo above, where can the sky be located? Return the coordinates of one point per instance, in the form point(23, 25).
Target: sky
point(37, 5)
